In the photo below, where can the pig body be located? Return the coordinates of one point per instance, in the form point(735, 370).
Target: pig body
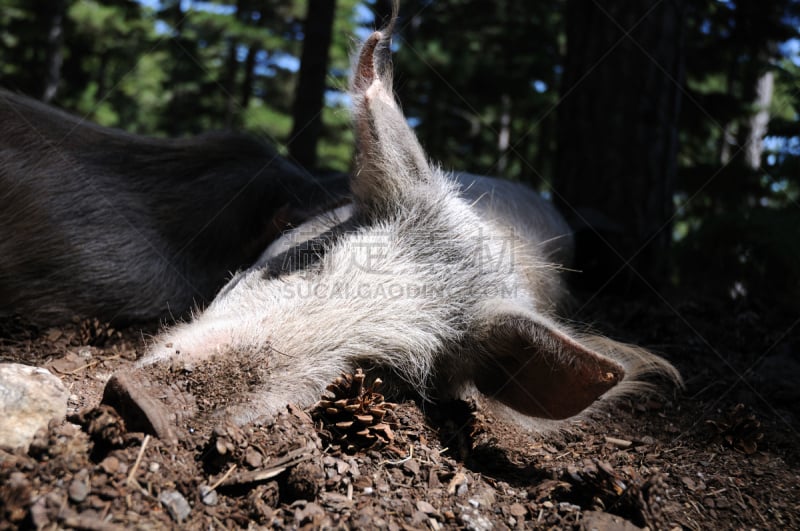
point(444, 285)
point(101, 223)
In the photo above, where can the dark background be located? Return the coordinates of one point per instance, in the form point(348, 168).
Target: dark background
point(666, 131)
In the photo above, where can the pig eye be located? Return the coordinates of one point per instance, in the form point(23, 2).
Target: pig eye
point(305, 256)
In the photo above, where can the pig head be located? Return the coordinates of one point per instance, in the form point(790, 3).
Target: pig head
point(444, 285)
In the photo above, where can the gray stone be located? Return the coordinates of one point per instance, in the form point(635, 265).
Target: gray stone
point(208, 496)
point(30, 397)
point(473, 520)
point(176, 505)
point(78, 490)
point(599, 521)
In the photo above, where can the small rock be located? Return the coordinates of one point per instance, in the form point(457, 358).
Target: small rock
point(253, 458)
point(518, 510)
point(599, 521)
point(30, 397)
point(78, 490)
point(176, 505)
point(110, 465)
point(459, 480)
point(426, 507)
point(412, 465)
point(207, 496)
point(485, 497)
point(474, 521)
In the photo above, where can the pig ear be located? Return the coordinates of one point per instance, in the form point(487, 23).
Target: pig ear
point(535, 368)
point(390, 162)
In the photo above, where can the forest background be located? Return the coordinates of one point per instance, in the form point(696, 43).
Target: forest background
point(667, 131)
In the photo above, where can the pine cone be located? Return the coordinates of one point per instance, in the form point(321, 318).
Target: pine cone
point(103, 424)
point(354, 415)
point(739, 428)
point(595, 480)
point(647, 499)
point(93, 332)
point(598, 485)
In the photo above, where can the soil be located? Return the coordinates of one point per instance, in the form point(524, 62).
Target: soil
point(723, 453)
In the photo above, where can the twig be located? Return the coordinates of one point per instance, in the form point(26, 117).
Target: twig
point(290, 459)
point(620, 443)
point(223, 478)
point(399, 461)
point(88, 365)
point(131, 481)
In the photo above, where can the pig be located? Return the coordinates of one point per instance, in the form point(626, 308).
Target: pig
point(96, 222)
point(445, 286)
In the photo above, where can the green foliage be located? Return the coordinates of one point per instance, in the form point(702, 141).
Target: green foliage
point(730, 46)
point(461, 84)
point(267, 121)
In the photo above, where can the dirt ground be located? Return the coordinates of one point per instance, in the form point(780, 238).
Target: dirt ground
point(722, 454)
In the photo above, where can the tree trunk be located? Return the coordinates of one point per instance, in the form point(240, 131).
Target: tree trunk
point(504, 134)
point(264, 12)
point(754, 146)
point(618, 137)
point(249, 76)
point(52, 16)
point(310, 93)
point(229, 84)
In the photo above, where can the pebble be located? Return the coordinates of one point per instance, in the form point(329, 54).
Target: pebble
point(110, 465)
point(599, 521)
point(208, 496)
point(426, 507)
point(78, 490)
point(30, 397)
point(518, 510)
point(176, 505)
point(412, 465)
point(484, 497)
point(253, 458)
point(474, 521)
